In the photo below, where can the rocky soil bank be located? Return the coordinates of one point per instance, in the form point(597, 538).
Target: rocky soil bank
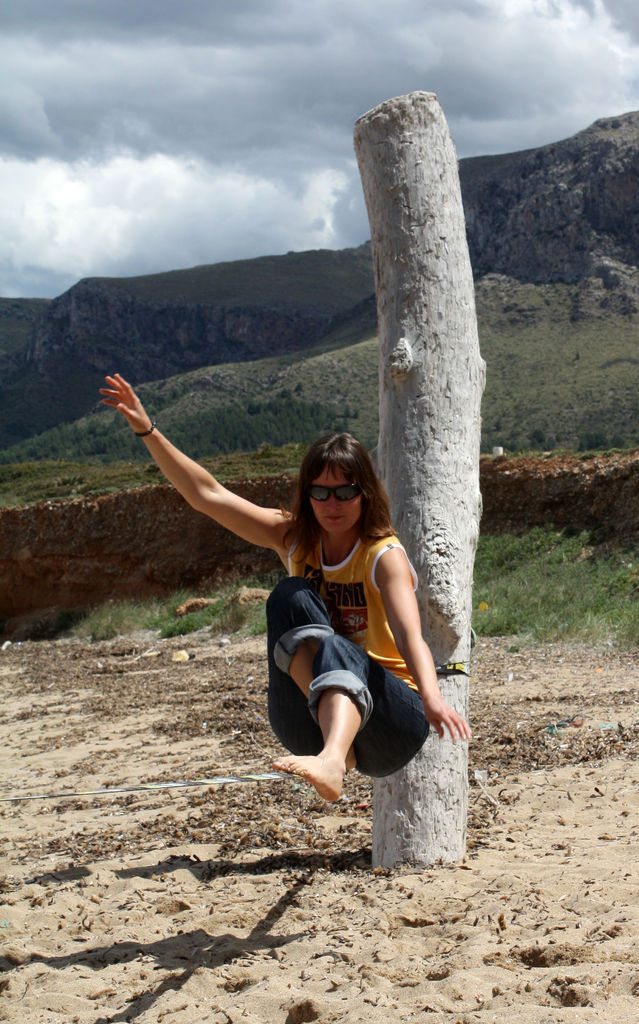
point(61, 555)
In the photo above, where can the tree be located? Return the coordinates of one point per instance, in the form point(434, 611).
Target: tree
point(431, 379)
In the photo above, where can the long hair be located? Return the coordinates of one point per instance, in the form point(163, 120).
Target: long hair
point(345, 453)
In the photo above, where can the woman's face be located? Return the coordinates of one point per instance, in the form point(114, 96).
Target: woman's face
point(337, 517)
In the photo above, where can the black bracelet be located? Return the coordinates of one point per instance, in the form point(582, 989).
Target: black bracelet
point(145, 433)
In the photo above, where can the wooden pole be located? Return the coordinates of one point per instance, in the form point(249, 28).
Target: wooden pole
point(431, 378)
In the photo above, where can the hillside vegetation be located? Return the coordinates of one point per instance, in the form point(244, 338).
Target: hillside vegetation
point(159, 326)
point(553, 380)
point(230, 408)
point(26, 483)
point(320, 278)
point(561, 370)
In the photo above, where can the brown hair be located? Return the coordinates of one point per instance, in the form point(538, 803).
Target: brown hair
point(339, 452)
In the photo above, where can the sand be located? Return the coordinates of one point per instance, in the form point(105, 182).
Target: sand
point(256, 902)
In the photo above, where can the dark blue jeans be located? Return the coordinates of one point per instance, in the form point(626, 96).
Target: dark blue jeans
point(394, 726)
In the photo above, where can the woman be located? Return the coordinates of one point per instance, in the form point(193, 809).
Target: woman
point(352, 683)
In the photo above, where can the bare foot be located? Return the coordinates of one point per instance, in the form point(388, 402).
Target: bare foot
point(323, 772)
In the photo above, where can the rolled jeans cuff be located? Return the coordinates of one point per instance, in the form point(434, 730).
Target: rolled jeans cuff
point(348, 683)
point(288, 643)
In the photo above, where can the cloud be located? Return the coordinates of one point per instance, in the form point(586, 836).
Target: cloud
point(242, 114)
point(624, 15)
point(530, 72)
point(130, 216)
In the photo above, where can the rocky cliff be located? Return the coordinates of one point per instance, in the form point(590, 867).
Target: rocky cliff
point(102, 325)
point(65, 555)
point(164, 324)
point(562, 212)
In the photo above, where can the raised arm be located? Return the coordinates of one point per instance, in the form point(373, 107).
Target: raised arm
point(262, 526)
point(395, 582)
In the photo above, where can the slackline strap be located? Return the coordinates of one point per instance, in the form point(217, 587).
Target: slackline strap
point(219, 780)
point(456, 668)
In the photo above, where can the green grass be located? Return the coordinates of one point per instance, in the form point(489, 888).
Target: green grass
point(561, 372)
point(26, 483)
point(223, 615)
point(547, 586)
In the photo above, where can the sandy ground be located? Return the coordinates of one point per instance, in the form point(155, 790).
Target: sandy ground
point(256, 902)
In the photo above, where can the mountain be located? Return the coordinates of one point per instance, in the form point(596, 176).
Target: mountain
point(156, 326)
point(553, 236)
point(563, 212)
point(18, 318)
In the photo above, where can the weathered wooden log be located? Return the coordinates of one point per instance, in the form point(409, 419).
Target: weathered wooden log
point(431, 380)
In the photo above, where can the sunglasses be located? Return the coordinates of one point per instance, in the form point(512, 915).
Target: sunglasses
point(345, 492)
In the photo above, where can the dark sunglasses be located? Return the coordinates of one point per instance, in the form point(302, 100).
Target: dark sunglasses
point(345, 492)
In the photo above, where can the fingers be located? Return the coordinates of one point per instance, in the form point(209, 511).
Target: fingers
point(119, 392)
point(118, 382)
point(457, 726)
point(460, 726)
point(459, 729)
point(111, 397)
point(122, 383)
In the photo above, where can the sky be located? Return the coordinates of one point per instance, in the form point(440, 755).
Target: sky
point(139, 136)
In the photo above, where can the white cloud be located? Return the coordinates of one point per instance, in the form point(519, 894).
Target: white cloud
point(130, 215)
point(252, 107)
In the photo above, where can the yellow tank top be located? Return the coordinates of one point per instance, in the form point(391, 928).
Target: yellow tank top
point(353, 599)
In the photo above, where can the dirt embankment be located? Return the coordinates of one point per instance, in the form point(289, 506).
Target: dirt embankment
point(71, 554)
point(599, 493)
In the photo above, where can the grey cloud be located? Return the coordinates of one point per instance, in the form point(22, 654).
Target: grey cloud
point(218, 21)
point(252, 83)
point(272, 91)
point(33, 282)
point(24, 125)
point(625, 15)
point(57, 20)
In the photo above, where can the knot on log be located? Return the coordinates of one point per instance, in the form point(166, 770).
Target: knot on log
point(401, 359)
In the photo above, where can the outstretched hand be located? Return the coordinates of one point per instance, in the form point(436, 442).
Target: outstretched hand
point(122, 397)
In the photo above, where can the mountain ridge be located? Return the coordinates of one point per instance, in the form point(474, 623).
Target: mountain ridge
point(555, 212)
point(562, 215)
